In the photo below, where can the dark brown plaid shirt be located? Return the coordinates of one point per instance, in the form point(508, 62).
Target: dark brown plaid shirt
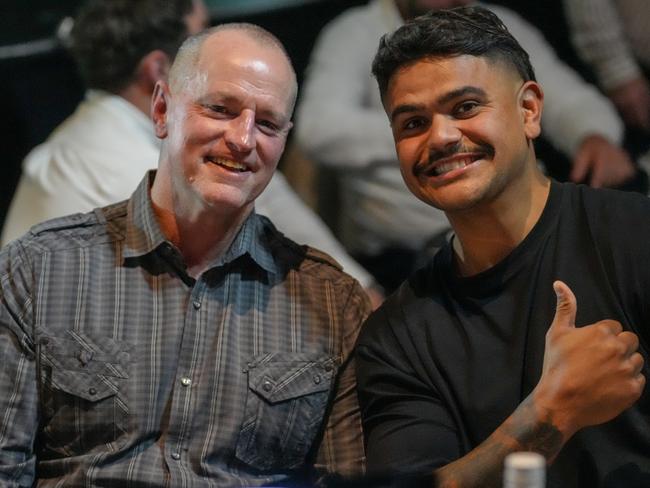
point(119, 369)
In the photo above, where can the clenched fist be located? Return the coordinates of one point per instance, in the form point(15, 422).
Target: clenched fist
point(590, 374)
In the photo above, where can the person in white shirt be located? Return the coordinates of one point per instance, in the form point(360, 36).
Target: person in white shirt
point(341, 124)
point(613, 38)
point(100, 153)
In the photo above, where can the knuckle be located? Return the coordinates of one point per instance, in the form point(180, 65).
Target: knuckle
point(609, 327)
point(637, 386)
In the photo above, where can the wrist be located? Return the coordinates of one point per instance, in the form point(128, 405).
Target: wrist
point(548, 409)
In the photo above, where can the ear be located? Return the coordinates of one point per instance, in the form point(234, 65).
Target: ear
point(531, 101)
point(160, 108)
point(153, 68)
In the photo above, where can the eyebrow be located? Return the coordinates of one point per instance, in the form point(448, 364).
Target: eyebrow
point(447, 97)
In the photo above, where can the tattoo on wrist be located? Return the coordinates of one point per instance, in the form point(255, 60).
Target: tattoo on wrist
point(532, 435)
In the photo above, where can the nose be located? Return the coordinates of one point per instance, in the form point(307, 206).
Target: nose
point(443, 132)
point(240, 134)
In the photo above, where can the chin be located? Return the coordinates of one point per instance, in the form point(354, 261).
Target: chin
point(453, 200)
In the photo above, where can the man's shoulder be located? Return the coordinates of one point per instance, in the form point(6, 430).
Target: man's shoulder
point(80, 230)
point(620, 206)
point(303, 258)
point(413, 306)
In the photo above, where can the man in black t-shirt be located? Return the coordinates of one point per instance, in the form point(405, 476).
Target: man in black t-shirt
point(478, 354)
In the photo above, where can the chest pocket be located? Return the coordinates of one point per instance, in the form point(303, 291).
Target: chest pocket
point(285, 407)
point(83, 382)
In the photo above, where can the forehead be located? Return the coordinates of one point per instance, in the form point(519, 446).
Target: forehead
point(233, 64)
point(434, 77)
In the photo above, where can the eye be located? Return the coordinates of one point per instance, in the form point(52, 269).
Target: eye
point(413, 123)
point(218, 109)
point(268, 127)
point(465, 109)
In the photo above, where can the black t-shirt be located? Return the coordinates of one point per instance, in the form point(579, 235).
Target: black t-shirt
point(447, 359)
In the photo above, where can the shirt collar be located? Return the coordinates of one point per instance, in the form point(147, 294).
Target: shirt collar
point(143, 234)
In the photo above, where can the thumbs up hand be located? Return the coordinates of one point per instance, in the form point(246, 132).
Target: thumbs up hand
point(590, 374)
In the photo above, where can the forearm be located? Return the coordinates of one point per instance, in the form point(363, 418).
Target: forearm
point(527, 429)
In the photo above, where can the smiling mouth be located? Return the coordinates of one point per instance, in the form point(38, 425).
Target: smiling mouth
point(438, 169)
point(228, 164)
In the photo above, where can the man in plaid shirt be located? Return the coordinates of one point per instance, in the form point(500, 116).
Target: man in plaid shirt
point(177, 338)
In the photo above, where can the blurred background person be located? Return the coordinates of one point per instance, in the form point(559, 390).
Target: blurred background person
point(613, 38)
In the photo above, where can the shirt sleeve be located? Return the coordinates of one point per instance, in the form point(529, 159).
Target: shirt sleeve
point(407, 427)
point(19, 398)
point(598, 35)
point(573, 109)
point(336, 125)
point(341, 449)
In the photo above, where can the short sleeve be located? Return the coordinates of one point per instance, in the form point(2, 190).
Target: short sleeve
point(407, 427)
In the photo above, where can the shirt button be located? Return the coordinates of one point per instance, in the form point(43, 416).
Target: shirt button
point(196, 304)
point(316, 379)
point(267, 386)
point(186, 382)
point(176, 456)
point(92, 391)
point(328, 367)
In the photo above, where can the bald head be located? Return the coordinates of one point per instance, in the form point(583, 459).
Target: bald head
point(188, 71)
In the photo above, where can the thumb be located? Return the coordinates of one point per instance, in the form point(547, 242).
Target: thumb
point(565, 310)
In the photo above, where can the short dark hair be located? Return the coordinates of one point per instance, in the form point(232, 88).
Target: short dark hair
point(460, 31)
point(110, 37)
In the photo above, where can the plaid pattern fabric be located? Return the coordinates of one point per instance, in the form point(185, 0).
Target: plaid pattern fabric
point(119, 369)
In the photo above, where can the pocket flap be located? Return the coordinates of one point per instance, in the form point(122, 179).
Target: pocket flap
point(277, 377)
point(88, 386)
point(82, 353)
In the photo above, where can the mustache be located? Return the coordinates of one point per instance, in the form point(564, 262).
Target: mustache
point(458, 148)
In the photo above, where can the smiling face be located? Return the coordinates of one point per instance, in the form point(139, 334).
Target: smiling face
point(463, 128)
point(224, 128)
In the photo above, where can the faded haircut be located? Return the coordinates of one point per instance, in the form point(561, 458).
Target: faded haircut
point(473, 31)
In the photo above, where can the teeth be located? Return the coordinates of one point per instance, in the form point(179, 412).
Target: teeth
point(229, 164)
point(446, 167)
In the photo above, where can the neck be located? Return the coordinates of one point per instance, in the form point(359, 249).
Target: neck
point(202, 234)
point(487, 233)
point(137, 96)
